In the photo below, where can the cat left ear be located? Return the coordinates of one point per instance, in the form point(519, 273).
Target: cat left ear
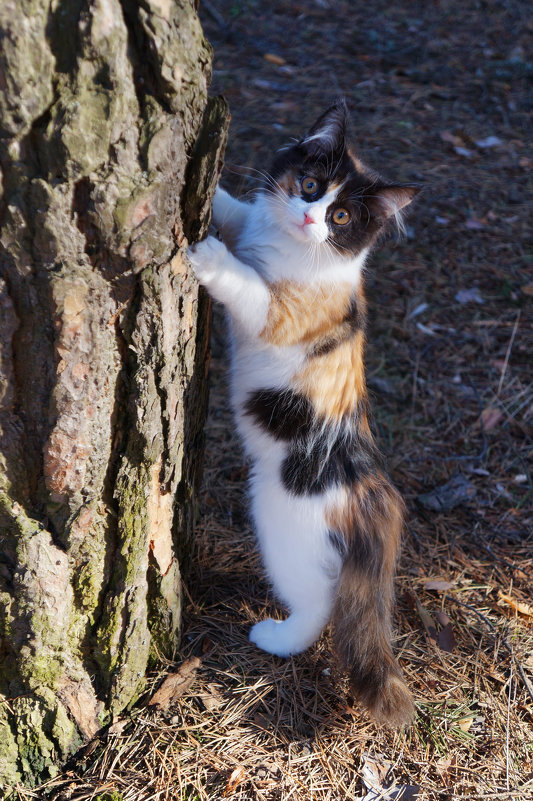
point(329, 131)
point(387, 201)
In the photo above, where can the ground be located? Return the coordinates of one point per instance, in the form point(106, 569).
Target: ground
point(437, 94)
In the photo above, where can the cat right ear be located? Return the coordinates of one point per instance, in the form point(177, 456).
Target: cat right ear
point(327, 135)
point(388, 201)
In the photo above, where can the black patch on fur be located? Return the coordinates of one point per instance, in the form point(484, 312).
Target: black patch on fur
point(320, 455)
point(338, 542)
point(283, 414)
point(366, 550)
point(322, 460)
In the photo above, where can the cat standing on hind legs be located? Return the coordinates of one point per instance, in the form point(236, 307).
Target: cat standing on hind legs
point(289, 273)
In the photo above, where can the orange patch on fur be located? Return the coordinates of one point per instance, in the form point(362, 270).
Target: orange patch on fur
point(288, 183)
point(301, 314)
point(372, 507)
point(335, 381)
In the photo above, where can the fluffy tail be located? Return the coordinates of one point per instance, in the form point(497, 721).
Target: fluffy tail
point(370, 524)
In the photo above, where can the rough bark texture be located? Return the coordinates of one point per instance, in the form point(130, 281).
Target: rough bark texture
point(109, 154)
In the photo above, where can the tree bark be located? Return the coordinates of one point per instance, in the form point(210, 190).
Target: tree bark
point(109, 155)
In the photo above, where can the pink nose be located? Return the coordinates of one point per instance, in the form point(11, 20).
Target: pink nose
point(307, 218)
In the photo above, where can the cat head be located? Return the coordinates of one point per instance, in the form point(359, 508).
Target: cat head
point(321, 193)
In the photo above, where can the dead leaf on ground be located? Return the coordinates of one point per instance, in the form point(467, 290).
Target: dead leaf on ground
point(475, 224)
point(455, 492)
point(451, 138)
point(443, 766)
point(519, 606)
point(211, 698)
point(438, 584)
point(175, 684)
point(118, 727)
point(490, 417)
point(468, 295)
point(380, 785)
point(465, 724)
point(272, 58)
point(445, 637)
point(428, 621)
point(488, 142)
point(237, 777)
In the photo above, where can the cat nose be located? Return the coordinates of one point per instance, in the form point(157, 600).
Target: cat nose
point(307, 218)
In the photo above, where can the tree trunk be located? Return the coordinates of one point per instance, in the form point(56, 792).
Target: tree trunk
point(109, 154)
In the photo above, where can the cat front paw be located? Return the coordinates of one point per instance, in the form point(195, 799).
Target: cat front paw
point(206, 258)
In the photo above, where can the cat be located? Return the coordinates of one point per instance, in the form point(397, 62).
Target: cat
point(288, 269)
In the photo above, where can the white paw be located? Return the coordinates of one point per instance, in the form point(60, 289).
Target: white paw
point(275, 637)
point(206, 258)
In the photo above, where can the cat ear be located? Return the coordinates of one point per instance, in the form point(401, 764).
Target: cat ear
point(387, 201)
point(328, 133)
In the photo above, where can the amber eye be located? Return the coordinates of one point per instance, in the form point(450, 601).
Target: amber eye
point(341, 216)
point(309, 186)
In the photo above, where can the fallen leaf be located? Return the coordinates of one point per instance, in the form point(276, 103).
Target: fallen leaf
point(467, 295)
point(428, 621)
point(262, 721)
point(446, 639)
point(426, 329)
point(464, 151)
point(378, 783)
point(442, 637)
point(474, 224)
point(443, 618)
point(268, 86)
point(489, 141)
point(443, 766)
point(490, 417)
point(417, 310)
point(118, 727)
point(528, 289)
point(452, 139)
point(437, 584)
point(211, 698)
point(237, 776)
point(455, 492)
point(519, 606)
point(272, 58)
point(175, 684)
point(465, 724)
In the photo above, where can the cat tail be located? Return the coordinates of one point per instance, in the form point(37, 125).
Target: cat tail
point(369, 524)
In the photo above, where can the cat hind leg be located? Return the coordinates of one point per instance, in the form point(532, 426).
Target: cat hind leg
point(303, 567)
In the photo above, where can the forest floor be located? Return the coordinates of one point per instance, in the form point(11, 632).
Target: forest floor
point(438, 94)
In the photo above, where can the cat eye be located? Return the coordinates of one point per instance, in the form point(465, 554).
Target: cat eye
point(341, 216)
point(309, 185)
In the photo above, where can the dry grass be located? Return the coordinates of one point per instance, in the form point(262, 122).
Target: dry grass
point(282, 729)
point(453, 390)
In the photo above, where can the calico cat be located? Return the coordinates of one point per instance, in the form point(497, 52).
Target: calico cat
point(289, 272)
